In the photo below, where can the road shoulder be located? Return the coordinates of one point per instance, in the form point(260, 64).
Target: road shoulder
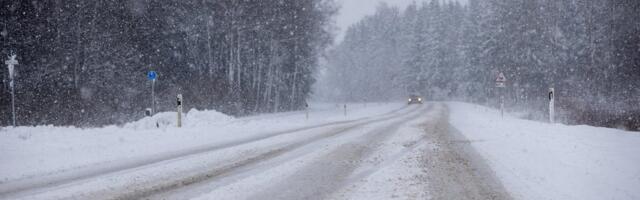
point(456, 170)
point(425, 159)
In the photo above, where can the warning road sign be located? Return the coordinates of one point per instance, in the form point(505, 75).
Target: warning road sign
point(501, 80)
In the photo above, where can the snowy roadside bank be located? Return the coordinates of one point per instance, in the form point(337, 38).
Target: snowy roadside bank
point(536, 160)
point(33, 152)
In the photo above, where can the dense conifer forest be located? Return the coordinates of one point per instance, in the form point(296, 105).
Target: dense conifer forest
point(85, 62)
point(588, 50)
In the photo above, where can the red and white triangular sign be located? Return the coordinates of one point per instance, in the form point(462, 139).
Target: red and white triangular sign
point(501, 78)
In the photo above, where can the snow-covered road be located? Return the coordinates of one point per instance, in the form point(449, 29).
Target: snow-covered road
point(379, 154)
point(378, 151)
point(41, 156)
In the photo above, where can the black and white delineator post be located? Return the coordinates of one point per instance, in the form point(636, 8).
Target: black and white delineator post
point(179, 104)
point(306, 110)
point(552, 110)
point(345, 110)
point(11, 65)
point(501, 83)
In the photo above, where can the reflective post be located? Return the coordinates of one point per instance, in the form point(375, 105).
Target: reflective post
point(306, 108)
point(345, 110)
point(179, 104)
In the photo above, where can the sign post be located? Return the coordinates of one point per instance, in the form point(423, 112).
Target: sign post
point(552, 111)
point(501, 82)
point(152, 76)
point(11, 65)
point(179, 104)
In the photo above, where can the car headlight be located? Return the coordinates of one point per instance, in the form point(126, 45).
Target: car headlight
point(419, 99)
point(409, 99)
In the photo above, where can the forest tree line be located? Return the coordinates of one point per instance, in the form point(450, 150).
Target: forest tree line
point(588, 50)
point(85, 62)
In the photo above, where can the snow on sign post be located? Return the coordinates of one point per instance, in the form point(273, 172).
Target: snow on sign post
point(153, 76)
point(11, 65)
point(552, 112)
point(501, 82)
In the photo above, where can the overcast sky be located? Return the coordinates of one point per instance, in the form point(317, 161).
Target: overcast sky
point(353, 10)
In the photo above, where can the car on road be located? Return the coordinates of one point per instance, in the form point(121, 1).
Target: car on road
point(415, 99)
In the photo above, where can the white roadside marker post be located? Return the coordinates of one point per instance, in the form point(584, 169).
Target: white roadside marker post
point(552, 111)
point(345, 110)
point(11, 65)
point(306, 110)
point(179, 102)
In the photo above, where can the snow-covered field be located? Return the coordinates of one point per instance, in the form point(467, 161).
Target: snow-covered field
point(536, 160)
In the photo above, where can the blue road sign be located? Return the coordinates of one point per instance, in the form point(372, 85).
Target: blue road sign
point(152, 75)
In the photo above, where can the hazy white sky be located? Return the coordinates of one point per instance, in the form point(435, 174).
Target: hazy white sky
point(352, 11)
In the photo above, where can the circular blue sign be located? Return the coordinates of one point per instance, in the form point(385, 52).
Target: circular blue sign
point(152, 75)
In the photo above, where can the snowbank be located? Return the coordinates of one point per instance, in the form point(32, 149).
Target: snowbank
point(197, 118)
point(537, 160)
point(193, 118)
